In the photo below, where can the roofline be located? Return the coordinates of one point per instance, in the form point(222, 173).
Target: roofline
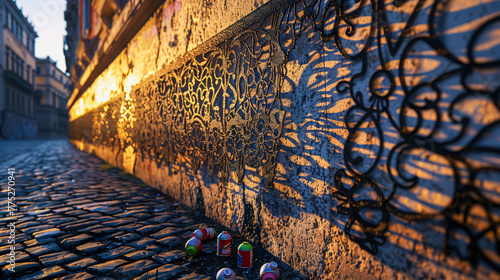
point(48, 59)
point(18, 11)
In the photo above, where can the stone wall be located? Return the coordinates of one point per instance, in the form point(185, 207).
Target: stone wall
point(353, 141)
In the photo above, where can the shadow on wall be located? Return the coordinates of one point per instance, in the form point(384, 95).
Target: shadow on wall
point(405, 135)
point(375, 120)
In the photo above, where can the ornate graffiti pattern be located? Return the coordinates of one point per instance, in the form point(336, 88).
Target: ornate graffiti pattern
point(221, 108)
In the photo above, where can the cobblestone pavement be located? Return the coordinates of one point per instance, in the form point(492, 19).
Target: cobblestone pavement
point(77, 218)
point(10, 149)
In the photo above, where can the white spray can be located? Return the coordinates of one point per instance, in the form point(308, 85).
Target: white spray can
point(226, 274)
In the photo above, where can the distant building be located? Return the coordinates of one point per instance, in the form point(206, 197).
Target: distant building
point(53, 88)
point(72, 37)
point(17, 74)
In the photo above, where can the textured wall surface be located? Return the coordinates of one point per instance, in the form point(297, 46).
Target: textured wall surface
point(355, 140)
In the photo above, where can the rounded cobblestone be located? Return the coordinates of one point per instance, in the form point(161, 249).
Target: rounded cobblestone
point(166, 272)
point(135, 269)
point(76, 221)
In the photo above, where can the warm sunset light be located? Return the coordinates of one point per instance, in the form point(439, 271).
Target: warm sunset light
point(256, 139)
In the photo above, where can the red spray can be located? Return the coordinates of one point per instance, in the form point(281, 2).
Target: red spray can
point(204, 233)
point(226, 274)
point(245, 255)
point(193, 246)
point(224, 243)
point(269, 271)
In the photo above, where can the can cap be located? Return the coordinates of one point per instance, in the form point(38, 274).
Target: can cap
point(227, 272)
point(273, 265)
point(245, 246)
point(191, 250)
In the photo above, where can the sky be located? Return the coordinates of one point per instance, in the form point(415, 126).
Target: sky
point(47, 16)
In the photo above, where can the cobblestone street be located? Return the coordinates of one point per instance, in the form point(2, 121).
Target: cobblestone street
point(78, 218)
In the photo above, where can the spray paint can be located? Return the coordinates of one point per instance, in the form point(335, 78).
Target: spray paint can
point(245, 255)
point(204, 233)
point(224, 244)
point(226, 274)
point(193, 246)
point(269, 271)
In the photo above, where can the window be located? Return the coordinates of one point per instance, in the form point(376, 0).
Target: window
point(16, 64)
point(9, 20)
point(13, 61)
point(86, 18)
point(8, 98)
point(39, 70)
point(25, 38)
point(7, 56)
point(28, 73)
point(44, 99)
point(19, 32)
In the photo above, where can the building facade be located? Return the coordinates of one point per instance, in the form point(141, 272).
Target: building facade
point(72, 37)
point(52, 89)
point(352, 139)
point(17, 73)
point(90, 23)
